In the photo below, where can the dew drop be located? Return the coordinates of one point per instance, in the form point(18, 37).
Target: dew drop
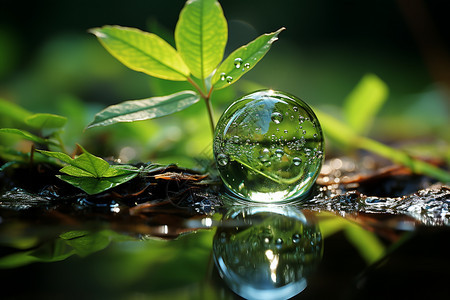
point(222, 159)
point(296, 238)
point(229, 79)
point(285, 131)
point(315, 135)
point(295, 108)
point(278, 243)
point(297, 161)
point(279, 153)
point(222, 76)
point(238, 62)
point(246, 66)
point(277, 118)
point(304, 131)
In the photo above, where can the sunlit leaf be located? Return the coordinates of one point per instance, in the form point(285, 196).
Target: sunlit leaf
point(45, 121)
point(243, 59)
point(27, 135)
point(364, 102)
point(58, 155)
point(138, 110)
point(92, 174)
point(142, 51)
point(91, 164)
point(201, 35)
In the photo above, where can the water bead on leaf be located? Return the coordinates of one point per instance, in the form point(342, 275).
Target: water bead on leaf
point(238, 62)
point(272, 160)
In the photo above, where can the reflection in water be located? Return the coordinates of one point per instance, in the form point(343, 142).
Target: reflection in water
point(266, 252)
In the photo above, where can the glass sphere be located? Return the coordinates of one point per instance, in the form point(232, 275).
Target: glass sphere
point(268, 147)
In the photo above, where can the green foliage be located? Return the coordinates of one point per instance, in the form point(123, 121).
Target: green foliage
point(142, 51)
point(45, 121)
point(150, 108)
point(364, 102)
point(27, 135)
point(91, 173)
point(201, 34)
point(243, 59)
point(371, 89)
point(12, 111)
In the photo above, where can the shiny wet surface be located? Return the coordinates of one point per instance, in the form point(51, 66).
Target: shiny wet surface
point(343, 242)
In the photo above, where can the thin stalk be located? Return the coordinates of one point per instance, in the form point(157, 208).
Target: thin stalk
point(210, 113)
point(206, 98)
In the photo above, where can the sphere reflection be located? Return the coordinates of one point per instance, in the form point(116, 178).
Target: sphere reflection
point(266, 252)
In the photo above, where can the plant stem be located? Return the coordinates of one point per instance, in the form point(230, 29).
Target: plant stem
point(210, 113)
point(207, 101)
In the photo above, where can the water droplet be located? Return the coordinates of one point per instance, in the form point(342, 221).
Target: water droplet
point(238, 62)
point(304, 131)
point(229, 79)
point(279, 243)
point(279, 153)
point(285, 131)
point(296, 238)
point(247, 65)
point(222, 76)
point(222, 159)
point(277, 118)
point(315, 135)
point(295, 108)
point(297, 161)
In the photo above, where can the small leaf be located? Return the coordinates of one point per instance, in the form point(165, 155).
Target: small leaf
point(150, 108)
point(93, 185)
point(75, 171)
point(364, 102)
point(201, 35)
point(46, 121)
point(243, 59)
point(27, 135)
point(58, 155)
point(143, 51)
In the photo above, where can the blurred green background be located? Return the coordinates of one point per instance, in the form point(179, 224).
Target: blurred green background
point(50, 63)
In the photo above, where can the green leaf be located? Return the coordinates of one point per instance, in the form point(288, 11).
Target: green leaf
point(13, 111)
point(92, 174)
point(243, 60)
point(91, 164)
point(142, 51)
point(201, 35)
point(45, 121)
point(58, 155)
point(150, 108)
point(27, 135)
point(92, 185)
point(364, 102)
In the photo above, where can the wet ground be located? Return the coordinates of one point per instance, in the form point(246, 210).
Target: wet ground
point(368, 230)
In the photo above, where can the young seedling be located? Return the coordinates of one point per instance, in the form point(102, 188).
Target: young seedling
point(201, 35)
